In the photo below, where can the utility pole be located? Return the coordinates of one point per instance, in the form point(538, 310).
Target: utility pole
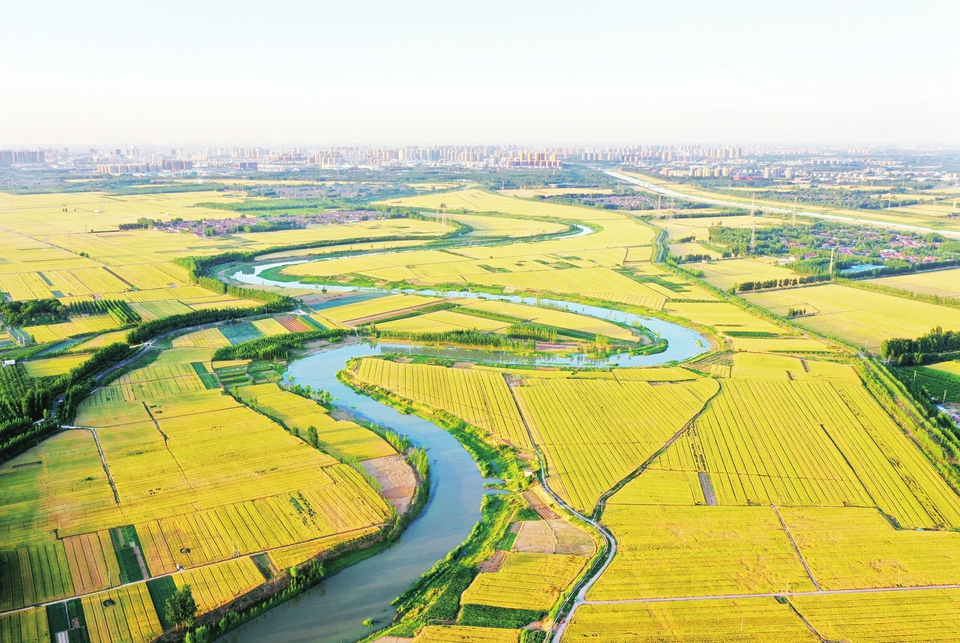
point(795, 209)
point(832, 250)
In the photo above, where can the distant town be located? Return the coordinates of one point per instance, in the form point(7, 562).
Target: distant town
point(733, 163)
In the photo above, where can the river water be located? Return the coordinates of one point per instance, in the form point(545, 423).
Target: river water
point(334, 611)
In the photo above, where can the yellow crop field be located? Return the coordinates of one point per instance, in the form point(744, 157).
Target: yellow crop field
point(376, 306)
point(487, 226)
point(27, 626)
point(781, 367)
point(216, 585)
point(270, 327)
point(34, 574)
point(598, 283)
point(152, 275)
point(76, 487)
point(558, 318)
point(811, 443)
point(440, 322)
point(787, 344)
point(286, 557)
point(130, 619)
point(527, 193)
point(336, 437)
point(698, 551)
point(858, 548)
point(725, 273)
point(596, 432)
point(525, 581)
point(722, 316)
point(481, 398)
point(53, 365)
point(751, 620)
point(93, 563)
point(76, 326)
point(463, 634)
point(943, 283)
point(150, 310)
point(861, 317)
point(209, 338)
point(663, 374)
point(693, 248)
point(661, 487)
point(104, 339)
point(905, 617)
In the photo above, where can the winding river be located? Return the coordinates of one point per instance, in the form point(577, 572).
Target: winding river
point(334, 610)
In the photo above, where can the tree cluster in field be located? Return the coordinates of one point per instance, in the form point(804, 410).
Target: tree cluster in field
point(142, 224)
point(277, 347)
point(321, 397)
point(531, 331)
point(33, 312)
point(466, 337)
point(935, 346)
point(693, 257)
point(796, 312)
point(787, 282)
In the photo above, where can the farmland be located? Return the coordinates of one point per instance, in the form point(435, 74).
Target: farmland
point(857, 316)
point(741, 488)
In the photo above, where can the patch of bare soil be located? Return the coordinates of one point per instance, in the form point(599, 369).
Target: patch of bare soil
point(396, 478)
point(493, 563)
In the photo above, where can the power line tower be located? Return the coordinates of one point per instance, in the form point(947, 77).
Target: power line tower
point(795, 209)
point(832, 250)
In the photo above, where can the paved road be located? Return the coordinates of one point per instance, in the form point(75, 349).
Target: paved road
point(741, 204)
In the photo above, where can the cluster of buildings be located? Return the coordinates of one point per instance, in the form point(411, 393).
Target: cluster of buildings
point(9, 157)
point(697, 161)
point(166, 165)
point(213, 227)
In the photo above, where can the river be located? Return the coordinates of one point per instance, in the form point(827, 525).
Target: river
point(334, 611)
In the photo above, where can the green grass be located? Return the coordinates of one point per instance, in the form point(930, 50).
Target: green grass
point(488, 616)
point(160, 590)
point(209, 381)
point(124, 540)
point(239, 333)
point(934, 381)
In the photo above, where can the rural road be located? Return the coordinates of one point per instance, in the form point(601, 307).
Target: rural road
point(740, 204)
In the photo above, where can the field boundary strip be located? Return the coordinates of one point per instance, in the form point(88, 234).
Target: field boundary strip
point(793, 543)
point(822, 592)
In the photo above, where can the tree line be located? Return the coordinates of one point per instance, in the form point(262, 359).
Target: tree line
point(936, 346)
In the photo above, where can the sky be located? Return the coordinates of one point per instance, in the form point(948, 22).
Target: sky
point(293, 73)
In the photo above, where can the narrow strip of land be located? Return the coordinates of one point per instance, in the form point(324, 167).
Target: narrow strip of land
point(820, 592)
point(793, 543)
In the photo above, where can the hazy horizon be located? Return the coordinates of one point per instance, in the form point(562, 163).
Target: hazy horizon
point(423, 73)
